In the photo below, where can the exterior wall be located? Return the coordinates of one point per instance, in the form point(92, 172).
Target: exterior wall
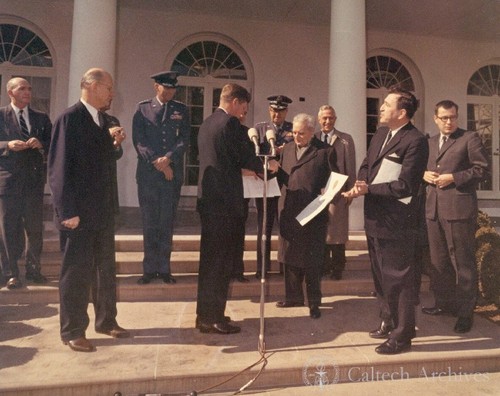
point(54, 18)
point(287, 58)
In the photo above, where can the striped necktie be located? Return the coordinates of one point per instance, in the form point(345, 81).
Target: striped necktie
point(25, 132)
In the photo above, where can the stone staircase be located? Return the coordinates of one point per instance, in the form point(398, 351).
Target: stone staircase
point(184, 263)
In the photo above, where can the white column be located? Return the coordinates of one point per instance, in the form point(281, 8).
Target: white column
point(93, 42)
point(347, 85)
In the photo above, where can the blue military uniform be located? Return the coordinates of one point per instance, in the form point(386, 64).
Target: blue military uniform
point(159, 130)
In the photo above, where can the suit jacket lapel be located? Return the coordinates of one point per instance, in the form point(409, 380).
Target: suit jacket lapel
point(310, 153)
point(11, 120)
point(446, 145)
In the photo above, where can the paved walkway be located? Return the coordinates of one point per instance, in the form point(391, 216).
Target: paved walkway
point(167, 355)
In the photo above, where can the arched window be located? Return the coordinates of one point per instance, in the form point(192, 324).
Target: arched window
point(25, 54)
point(210, 58)
point(206, 62)
point(483, 116)
point(382, 72)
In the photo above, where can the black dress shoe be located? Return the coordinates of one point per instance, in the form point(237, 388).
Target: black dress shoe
point(288, 304)
point(199, 322)
point(35, 277)
point(13, 283)
point(167, 278)
point(80, 344)
point(314, 312)
point(218, 328)
point(145, 279)
point(383, 331)
point(435, 311)
point(393, 347)
point(115, 332)
point(241, 279)
point(463, 325)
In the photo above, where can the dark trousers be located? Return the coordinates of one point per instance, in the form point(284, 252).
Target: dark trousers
point(334, 258)
point(239, 265)
point(272, 215)
point(21, 219)
point(453, 270)
point(219, 246)
point(32, 217)
point(88, 263)
point(11, 234)
point(158, 204)
point(295, 276)
point(393, 269)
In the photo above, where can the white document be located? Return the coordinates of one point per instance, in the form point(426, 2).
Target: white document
point(333, 186)
point(389, 171)
point(254, 187)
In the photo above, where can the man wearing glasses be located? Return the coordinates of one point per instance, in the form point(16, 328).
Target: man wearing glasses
point(457, 163)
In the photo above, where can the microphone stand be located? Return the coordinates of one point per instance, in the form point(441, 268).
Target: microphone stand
point(262, 342)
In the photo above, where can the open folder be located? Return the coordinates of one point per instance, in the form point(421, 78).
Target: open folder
point(389, 171)
point(254, 187)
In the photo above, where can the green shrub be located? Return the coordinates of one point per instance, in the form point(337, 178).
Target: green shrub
point(488, 259)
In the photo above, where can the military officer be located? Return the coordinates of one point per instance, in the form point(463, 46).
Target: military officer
point(160, 133)
point(278, 110)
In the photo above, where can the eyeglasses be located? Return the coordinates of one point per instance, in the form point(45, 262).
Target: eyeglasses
point(445, 119)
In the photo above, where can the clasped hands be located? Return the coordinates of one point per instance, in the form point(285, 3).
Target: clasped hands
point(20, 145)
point(438, 180)
point(162, 164)
point(360, 188)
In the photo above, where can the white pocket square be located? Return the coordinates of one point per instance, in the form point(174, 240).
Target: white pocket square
point(393, 155)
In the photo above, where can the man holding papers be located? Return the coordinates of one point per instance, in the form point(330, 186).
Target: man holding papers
point(389, 178)
point(305, 167)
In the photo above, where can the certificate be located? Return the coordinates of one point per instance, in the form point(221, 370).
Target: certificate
point(333, 186)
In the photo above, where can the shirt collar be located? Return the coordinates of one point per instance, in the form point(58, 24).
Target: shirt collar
point(92, 110)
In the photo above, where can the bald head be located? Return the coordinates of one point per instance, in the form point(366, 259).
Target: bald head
point(19, 91)
point(97, 88)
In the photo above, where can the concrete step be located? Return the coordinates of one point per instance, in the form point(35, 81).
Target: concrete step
point(166, 355)
point(353, 283)
point(126, 242)
point(187, 262)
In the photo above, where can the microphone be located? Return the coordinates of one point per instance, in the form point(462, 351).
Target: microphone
point(271, 138)
point(254, 137)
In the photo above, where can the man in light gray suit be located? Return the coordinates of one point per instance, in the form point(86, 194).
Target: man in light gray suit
point(338, 212)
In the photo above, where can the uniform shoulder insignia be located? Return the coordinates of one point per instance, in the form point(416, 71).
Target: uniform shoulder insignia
point(145, 101)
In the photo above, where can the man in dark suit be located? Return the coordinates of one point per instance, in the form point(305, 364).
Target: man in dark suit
point(278, 110)
point(224, 152)
point(24, 137)
point(160, 133)
point(457, 163)
point(389, 178)
point(80, 162)
point(338, 212)
point(305, 166)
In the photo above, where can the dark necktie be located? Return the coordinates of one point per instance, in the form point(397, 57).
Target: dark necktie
point(442, 141)
point(387, 140)
point(100, 115)
point(24, 127)
point(325, 138)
